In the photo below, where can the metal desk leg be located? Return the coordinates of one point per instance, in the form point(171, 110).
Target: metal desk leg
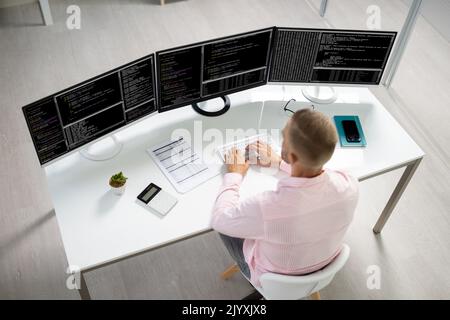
point(45, 12)
point(83, 290)
point(323, 7)
point(395, 196)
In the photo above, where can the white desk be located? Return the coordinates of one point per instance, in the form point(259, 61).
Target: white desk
point(98, 227)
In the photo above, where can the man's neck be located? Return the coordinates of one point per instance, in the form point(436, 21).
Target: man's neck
point(301, 172)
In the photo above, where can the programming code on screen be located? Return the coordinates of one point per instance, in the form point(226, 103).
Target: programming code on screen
point(65, 121)
point(198, 72)
point(355, 57)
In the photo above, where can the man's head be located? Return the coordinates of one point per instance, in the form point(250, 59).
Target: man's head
point(309, 139)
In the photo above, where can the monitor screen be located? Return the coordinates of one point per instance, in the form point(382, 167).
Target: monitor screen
point(330, 56)
point(67, 120)
point(212, 68)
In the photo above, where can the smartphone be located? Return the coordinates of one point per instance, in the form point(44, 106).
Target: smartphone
point(351, 131)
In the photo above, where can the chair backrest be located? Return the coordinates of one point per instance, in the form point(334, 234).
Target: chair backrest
point(284, 287)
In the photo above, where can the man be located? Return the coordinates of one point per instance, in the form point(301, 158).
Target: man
point(299, 227)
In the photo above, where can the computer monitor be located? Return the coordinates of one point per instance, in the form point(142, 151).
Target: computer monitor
point(63, 122)
point(211, 69)
point(317, 56)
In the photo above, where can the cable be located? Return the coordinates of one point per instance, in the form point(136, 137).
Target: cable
point(261, 116)
point(285, 108)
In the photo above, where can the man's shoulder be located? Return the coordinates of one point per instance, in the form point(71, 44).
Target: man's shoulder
point(343, 180)
point(343, 174)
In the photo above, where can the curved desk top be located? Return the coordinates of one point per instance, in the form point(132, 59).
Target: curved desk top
point(98, 227)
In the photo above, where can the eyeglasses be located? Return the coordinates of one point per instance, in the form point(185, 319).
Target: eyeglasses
point(285, 108)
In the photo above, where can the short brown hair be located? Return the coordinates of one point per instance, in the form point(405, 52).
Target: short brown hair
point(313, 137)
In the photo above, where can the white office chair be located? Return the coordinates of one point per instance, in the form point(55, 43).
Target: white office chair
point(283, 287)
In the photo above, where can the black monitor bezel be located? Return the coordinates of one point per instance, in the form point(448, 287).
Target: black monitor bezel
point(156, 76)
point(277, 29)
point(52, 96)
point(161, 109)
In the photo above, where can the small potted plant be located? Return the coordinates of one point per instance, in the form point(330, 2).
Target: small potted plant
point(117, 183)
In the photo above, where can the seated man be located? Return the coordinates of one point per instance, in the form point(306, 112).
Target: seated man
point(299, 227)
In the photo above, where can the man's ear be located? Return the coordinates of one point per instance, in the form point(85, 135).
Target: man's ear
point(292, 158)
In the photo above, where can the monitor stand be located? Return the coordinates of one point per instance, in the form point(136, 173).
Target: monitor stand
point(203, 104)
point(102, 150)
point(320, 94)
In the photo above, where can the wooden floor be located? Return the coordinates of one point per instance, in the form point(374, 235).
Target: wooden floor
point(413, 251)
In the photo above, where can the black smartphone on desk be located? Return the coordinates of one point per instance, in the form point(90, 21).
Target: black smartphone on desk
point(351, 131)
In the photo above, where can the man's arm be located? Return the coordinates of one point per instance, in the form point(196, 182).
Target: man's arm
point(234, 218)
point(268, 158)
point(241, 220)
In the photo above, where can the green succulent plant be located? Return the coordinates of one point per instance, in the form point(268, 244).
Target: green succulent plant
point(117, 180)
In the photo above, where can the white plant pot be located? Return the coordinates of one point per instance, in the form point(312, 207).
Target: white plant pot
point(119, 191)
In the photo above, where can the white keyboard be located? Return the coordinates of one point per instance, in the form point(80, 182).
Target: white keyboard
point(242, 144)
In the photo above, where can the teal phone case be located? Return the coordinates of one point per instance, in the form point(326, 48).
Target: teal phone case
point(342, 139)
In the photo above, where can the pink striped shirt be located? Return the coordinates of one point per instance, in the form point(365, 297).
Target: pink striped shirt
point(296, 229)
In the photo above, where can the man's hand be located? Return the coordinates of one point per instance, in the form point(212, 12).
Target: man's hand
point(267, 157)
point(236, 162)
